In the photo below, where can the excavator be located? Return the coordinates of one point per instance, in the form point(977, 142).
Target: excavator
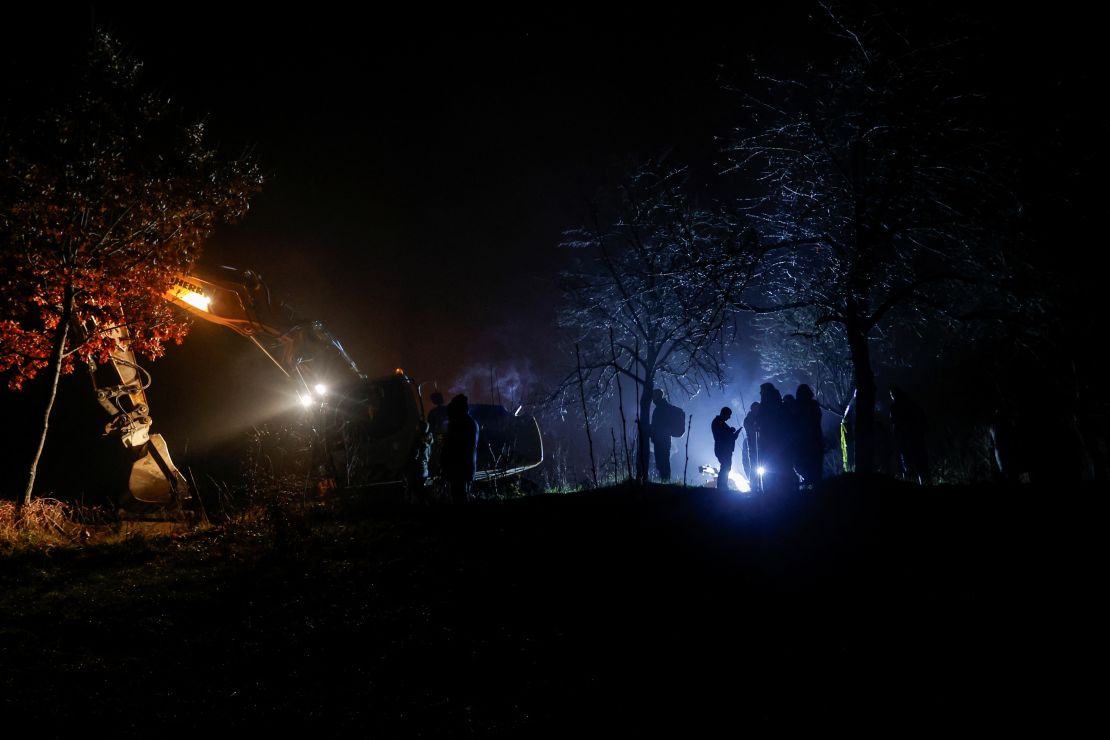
point(366, 432)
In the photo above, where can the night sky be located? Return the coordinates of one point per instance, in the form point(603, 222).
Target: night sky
point(421, 167)
point(420, 171)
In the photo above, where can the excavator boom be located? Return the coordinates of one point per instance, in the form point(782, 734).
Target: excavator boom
point(238, 299)
point(366, 431)
point(156, 488)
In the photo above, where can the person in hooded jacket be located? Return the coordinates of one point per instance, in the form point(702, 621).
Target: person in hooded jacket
point(460, 449)
point(810, 443)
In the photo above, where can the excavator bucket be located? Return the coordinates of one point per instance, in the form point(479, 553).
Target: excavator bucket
point(155, 483)
point(147, 484)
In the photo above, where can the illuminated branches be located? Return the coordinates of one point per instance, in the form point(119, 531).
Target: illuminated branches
point(648, 301)
point(877, 195)
point(790, 347)
point(104, 198)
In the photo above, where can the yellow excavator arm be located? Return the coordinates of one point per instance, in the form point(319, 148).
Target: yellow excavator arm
point(375, 432)
point(156, 487)
point(238, 299)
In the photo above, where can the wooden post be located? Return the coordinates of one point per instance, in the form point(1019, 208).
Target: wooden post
point(586, 414)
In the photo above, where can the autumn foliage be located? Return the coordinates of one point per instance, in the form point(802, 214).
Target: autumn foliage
point(103, 199)
point(105, 196)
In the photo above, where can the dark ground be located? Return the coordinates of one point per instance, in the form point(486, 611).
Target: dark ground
point(868, 604)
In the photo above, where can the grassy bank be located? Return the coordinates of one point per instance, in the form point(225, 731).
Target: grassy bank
point(618, 610)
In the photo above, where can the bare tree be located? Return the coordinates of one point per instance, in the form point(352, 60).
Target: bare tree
point(649, 297)
point(876, 195)
point(789, 346)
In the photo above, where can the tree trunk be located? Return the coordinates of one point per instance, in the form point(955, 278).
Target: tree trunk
point(586, 415)
point(865, 400)
point(645, 430)
point(620, 405)
point(55, 370)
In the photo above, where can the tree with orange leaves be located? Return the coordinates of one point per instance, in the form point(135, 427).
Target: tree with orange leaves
point(104, 198)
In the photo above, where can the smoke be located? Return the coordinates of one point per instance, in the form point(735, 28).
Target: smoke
point(509, 384)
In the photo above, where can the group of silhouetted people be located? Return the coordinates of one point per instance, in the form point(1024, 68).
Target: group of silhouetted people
point(783, 446)
point(454, 444)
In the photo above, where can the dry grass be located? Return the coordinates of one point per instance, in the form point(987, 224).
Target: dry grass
point(47, 523)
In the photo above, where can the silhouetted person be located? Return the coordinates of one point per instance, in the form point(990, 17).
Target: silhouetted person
point(789, 431)
point(724, 444)
point(907, 421)
point(809, 442)
point(774, 458)
point(749, 451)
point(667, 421)
point(437, 427)
point(848, 435)
point(460, 449)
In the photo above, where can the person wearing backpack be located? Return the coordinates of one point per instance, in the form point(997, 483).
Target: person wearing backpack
point(667, 421)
